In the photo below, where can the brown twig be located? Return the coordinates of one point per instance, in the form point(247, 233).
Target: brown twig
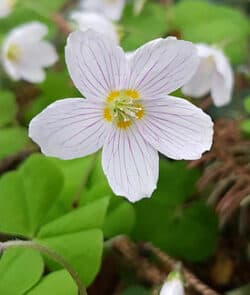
point(151, 273)
point(206, 103)
point(145, 270)
point(62, 24)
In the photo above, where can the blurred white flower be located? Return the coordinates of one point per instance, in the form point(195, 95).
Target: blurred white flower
point(173, 286)
point(138, 6)
point(214, 75)
point(96, 22)
point(6, 7)
point(112, 9)
point(24, 53)
point(126, 111)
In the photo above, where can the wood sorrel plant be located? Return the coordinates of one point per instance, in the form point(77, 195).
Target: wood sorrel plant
point(59, 208)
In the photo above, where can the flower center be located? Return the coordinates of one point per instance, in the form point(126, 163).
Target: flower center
point(13, 52)
point(122, 108)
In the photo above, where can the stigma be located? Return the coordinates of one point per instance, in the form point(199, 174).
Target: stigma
point(122, 108)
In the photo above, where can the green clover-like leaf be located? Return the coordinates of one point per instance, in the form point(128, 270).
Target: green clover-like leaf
point(12, 140)
point(204, 22)
point(58, 282)
point(20, 269)
point(27, 196)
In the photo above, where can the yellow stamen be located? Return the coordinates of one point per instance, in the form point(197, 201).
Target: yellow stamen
point(140, 114)
point(121, 108)
point(112, 96)
point(132, 93)
point(124, 124)
point(107, 114)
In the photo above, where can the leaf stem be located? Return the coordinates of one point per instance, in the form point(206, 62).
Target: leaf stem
point(50, 253)
point(82, 187)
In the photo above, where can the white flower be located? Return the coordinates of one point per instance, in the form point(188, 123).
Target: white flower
point(173, 287)
point(126, 111)
point(213, 74)
point(25, 54)
point(6, 7)
point(112, 9)
point(96, 22)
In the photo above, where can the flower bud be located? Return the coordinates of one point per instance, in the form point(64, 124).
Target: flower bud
point(173, 285)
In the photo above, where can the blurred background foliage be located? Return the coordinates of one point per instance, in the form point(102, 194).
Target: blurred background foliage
point(68, 205)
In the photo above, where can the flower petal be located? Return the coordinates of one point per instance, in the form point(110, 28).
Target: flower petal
point(69, 128)
point(221, 91)
point(162, 66)
point(172, 287)
point(177, 128)
point(31, 63)
point(97, 22)
point(111, 9)
point(222, 81)
point(214, 73)
point(30, 73)
point(130, 164)
point(96, 65)
point(49, 56)
point(200, 84)
point(38, 54)
point(11, 69)
point(28, 32)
